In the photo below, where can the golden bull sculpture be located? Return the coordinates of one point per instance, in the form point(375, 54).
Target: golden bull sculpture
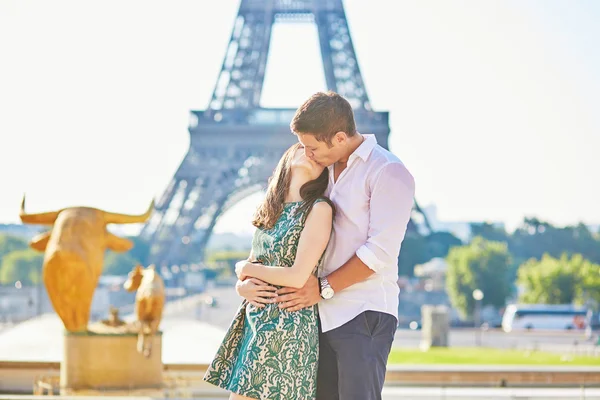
point(74, 256)
point(149, 304)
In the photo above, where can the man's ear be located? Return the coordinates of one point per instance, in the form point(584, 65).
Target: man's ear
point(339, 137)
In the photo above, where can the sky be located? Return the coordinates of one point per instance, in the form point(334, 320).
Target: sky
point(493, 104)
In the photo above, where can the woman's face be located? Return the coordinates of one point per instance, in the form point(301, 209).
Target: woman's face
point(301, 162)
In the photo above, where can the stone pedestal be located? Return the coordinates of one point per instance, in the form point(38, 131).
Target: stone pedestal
point(435, 326)
point(93, 361)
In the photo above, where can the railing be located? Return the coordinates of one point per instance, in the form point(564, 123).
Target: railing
point(270, 116)
point(182, 380)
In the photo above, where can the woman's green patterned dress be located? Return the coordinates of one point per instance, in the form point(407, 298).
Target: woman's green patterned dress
point(270, 353)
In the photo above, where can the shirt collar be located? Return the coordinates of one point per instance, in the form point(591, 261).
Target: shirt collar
point(364, 150)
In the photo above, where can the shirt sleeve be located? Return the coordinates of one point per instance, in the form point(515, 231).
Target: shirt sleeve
point(392, 197)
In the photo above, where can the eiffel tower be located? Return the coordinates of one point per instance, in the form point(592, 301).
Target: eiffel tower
point(235, 143)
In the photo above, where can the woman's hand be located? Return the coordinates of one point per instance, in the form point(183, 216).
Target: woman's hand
point(256, 292)
point(239, 269)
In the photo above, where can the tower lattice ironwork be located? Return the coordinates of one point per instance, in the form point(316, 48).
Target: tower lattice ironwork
point(235, 143)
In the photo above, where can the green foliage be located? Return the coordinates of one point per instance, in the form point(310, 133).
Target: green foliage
point(489, 232)
point(413, 252)
point(417, 249)
point(440, 243)
point(10, 243)
point(211, 273)
point(118, 263)
point(483, 265)
point(590, 277)
point(563, 280)
point(140, 250)
point(22, 265)
point(484, 356)
point(222, 263)
point(123, 263)
point(226, 255)
point(534, 238)
point(17, 260)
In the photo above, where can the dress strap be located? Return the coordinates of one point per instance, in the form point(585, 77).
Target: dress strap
point(318, 200)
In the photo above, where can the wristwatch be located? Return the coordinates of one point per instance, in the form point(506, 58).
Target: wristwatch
point(326, 289)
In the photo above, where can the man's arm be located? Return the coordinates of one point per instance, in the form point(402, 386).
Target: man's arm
point(390, 208)
point(353, 271)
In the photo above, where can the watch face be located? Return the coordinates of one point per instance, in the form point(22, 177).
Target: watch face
point(327, 293)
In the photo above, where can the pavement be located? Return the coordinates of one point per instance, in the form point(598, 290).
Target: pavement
point(397, 393)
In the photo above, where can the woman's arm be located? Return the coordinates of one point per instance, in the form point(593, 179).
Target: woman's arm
point(312, 244)
point(255, 291)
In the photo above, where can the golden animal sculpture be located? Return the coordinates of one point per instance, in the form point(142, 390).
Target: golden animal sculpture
point(74, 256)
point(149, 303)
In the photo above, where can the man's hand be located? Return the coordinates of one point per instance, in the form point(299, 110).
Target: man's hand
point(257, 292)
point(297, 299)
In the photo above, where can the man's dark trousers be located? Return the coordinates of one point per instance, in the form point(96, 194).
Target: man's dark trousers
point(353, 357)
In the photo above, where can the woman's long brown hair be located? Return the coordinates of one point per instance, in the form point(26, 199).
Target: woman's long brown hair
point(271, 208)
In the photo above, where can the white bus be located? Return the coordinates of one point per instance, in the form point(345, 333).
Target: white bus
point(543, 316)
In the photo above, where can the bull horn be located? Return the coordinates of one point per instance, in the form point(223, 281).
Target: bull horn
point(114, 218)
point(46, 218)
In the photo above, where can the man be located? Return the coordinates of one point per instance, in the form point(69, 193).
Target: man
point(357, 290)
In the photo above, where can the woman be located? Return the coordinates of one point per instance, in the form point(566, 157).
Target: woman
point(270, 353)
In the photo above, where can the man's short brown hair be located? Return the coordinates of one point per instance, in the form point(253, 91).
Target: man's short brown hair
point(323, 115)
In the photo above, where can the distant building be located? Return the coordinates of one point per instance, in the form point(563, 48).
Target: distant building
point(429, 287)
point(432, 274)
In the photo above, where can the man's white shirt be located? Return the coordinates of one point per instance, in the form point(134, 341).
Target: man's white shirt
point(373, 197)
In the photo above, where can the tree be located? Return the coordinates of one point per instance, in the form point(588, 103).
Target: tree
point(534, 238)
point(225, 260)
point(418, 249)
point(10, 243)
point(483, 265)
point(440, 243)
point(22, 265)
point(489, 232)
point(140, 250)
point(563, 280)
point(226, 255)
point(123, 263)
point(413, 252)
point(590, 276)
point(118, 263)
